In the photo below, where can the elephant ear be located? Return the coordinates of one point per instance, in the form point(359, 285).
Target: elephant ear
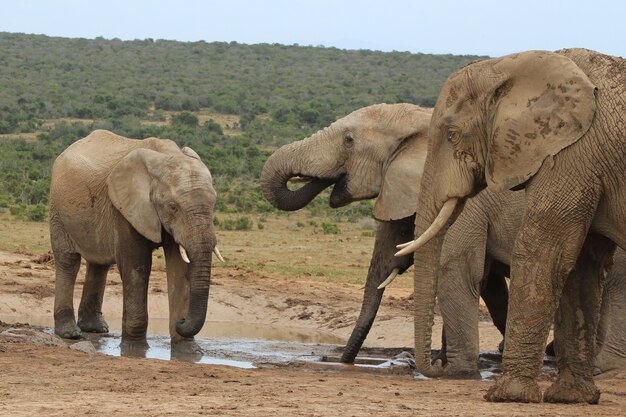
point(401, 180)
point(544, 104)
point(190, 152)
point(130, 185)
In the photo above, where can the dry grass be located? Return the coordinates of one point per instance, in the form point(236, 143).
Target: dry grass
point(280, 249)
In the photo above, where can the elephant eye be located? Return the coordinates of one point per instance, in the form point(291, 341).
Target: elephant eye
point(348, 139)
point(172, 206)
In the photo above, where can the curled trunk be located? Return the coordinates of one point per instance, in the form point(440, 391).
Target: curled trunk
point(295, 160)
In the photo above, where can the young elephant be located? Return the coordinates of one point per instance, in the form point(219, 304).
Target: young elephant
point(114, 200)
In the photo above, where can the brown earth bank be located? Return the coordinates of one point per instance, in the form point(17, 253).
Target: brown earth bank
point(40, 376)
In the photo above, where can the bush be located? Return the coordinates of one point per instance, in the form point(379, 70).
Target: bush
point(330, 229)
point(38, 213)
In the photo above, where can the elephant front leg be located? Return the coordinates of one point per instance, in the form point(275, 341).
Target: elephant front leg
point(575, 325)
point(90, 318)
point(66, 269)
point(544, 254)
point(134, 261)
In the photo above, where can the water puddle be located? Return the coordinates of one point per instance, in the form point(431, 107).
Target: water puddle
point(255, 346)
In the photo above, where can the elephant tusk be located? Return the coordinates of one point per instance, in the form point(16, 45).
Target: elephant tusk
point(218, 254)
point(390, 278)
point(439, 222)
point(183, 254)
point(300, 179)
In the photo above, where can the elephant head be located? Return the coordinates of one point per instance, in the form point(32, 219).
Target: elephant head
point(351, 153)
point(372, 152)
point(495, 124)
point(171, 197)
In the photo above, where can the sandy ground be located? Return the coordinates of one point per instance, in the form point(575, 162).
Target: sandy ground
point(41, 377)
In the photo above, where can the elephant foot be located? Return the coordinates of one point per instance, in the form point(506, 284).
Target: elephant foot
point(134, 347)
point(93, 323)
point(569, 389)
point(460, 368)
point(65, 326)
point(514, 389)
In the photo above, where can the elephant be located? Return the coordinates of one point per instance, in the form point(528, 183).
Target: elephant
point(475, 257)
point(368, 153)
point(553, 124)
point(114, 200)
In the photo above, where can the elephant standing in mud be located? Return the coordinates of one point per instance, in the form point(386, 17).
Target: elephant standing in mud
point(553, 124)
point(475, 258)
point(114, 200)
point(369, 153)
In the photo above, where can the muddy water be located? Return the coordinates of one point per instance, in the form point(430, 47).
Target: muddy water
point(249, 346)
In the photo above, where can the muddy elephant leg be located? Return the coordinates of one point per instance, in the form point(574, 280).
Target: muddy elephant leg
point(611, 338)
point(545, 251)
point(575, 324)
point(66, 270)
point(90, 317)
point(495, 294)
point(134, 261)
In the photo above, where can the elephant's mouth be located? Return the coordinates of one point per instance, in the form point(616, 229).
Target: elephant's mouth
point(339, 197)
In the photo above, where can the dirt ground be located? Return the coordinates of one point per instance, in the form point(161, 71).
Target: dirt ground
point(40, 376)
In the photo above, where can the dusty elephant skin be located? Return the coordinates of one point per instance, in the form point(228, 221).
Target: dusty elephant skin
point(554, 124)
point(368, 153)
point(379, 143)
point(114, 200)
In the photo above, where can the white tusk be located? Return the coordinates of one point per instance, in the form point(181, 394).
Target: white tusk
point(433, 229)
point(217, 253)
point(390, 278)
point(183, 253)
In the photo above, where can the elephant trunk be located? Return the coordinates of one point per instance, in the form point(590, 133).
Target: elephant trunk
point(302, 158)
point(199, 274)
point(369, 308)
point(430, 211)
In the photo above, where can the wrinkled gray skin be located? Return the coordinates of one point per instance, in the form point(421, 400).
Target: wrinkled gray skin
point(554, 124)
point(114, 200)
point(391, 174)
point(368, 153)
point(474, 261)
point(477, 251)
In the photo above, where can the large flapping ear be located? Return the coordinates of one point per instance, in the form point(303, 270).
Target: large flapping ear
point(543, 103)
point(401, 180)
point(190, 152)
point(129, 190)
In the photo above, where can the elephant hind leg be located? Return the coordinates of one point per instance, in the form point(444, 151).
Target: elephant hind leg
point(66, 269)
point(90, 317)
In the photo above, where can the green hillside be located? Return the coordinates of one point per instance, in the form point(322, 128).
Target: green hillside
point(232, 103)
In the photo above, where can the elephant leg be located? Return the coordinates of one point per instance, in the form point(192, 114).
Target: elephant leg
point(458, 295)
point(495, 294)
point(575, 325)
point(545, 251)
point(177, 285)
point(134, 260)
point(90, 317)
point(66, 270)
point(611, 338)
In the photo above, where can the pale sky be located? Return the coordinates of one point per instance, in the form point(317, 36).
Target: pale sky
point(481, 27)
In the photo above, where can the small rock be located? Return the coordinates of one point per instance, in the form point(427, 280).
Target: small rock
point(84, 346)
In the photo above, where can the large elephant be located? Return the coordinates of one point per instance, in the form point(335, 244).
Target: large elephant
point(369, 153)
point(553, 124)
point(114, 200)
